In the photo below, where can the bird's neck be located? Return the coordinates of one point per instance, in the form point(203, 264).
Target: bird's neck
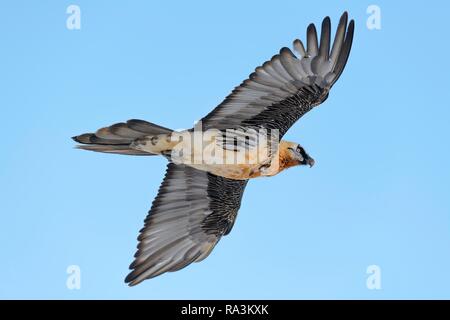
point(285, 156)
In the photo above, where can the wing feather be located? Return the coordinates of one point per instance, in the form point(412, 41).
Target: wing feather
point(325, 35)
point(287, 86)
point(311, 36)
point(192, 211)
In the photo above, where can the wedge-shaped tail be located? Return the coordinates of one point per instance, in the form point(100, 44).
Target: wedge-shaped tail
point(119, 137)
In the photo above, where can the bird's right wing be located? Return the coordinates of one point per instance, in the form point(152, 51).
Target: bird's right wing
point(289, 85)
point(192, 211)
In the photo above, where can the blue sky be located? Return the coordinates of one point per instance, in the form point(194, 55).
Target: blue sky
point(378, 195)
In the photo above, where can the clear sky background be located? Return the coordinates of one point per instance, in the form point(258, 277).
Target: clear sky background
point(378, 195)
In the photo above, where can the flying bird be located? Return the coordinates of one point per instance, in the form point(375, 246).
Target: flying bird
point(198, 200)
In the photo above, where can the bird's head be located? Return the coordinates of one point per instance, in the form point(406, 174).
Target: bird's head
point(295, 154)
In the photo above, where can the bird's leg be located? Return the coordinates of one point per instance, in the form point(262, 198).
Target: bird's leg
point(156, 144)
point(269, 168)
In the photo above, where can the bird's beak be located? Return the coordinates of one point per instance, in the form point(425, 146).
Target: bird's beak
point(310, 161)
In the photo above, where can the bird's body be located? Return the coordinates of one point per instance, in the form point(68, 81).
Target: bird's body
point(241, 139)
point(208, 152)
point(268, 167)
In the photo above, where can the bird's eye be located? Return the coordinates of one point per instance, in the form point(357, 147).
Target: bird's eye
point(299, 149)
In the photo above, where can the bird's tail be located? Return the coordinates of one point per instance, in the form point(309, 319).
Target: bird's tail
point(121, 138)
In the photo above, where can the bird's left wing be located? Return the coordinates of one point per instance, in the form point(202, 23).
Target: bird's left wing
point(192, 211)
point(283, 89)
